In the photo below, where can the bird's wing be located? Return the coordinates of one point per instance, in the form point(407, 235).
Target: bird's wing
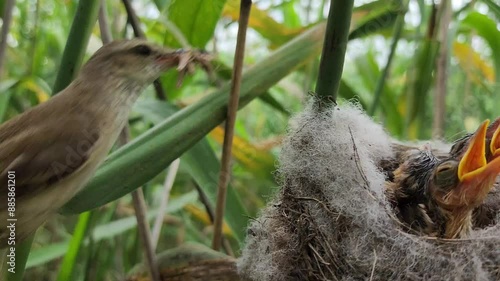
point(38, 160)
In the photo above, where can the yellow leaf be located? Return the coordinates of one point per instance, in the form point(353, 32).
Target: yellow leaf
point(471, 62)
point(202, 216)
point(413, 131)
point(259, 20)
point(254, 158)
point(270, 143)
point(41, 95)
point(272, 30)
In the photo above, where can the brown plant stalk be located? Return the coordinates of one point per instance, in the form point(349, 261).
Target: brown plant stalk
point(225, 171)
point(442, 70)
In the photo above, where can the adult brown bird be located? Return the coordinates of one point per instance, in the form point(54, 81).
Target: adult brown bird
point(437, 196)
point(52, 150)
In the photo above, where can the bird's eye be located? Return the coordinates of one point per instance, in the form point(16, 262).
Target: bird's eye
point(447, 167)
point(142, 50)
point(443, 169)
point(446, 174)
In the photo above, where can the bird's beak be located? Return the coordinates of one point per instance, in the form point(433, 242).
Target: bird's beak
point(476, 175)
point(495, 140)
point(170, 59)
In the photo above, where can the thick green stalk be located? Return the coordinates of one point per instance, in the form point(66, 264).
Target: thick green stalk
point(142, 159)
point(81, 28)
point(334, 47)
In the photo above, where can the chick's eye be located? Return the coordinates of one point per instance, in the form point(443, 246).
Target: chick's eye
point(143, 50)
point(447, 168)
point(443, 169)
point(446, 174)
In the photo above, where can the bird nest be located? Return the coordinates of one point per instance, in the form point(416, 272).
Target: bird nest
point(331, 220)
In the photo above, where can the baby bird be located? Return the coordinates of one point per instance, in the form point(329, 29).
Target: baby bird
point(436, 196)
point(485, 214)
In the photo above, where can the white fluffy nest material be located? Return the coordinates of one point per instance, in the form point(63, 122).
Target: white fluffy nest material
point(331, 221)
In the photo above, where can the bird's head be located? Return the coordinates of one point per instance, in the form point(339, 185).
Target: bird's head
point(136, 61)
point(460, 184)
point(465, 182)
